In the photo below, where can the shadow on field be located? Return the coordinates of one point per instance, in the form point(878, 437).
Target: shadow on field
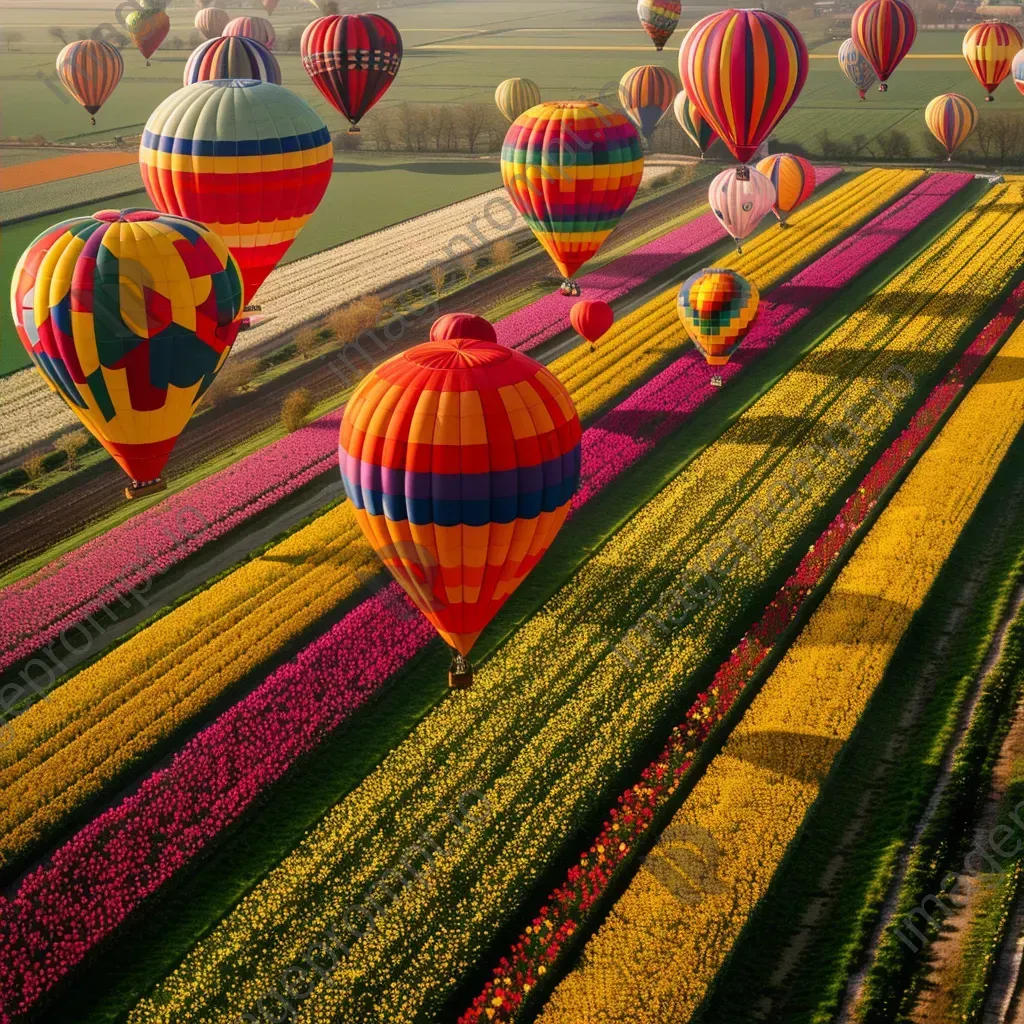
point(797, 755)
point(426, 167)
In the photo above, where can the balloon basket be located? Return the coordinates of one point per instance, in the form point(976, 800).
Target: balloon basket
point(989, 99)
point(354, 130)
point(883, 87)
point(570, 289)
point(147, 487)
point(716, 381)
point(743, 173)
point(460, 675)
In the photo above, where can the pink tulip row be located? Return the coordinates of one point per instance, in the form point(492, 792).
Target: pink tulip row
point(104, 872)
point(547, 317)
point(638, 423)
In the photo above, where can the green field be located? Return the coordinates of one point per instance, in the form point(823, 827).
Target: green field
point(365, 194)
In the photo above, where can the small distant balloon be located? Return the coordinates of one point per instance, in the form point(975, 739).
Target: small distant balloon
point(90, 69)
point(989, 49)
point(591, 319)
point(252, 28)
point(659, 19)
point(147, 29)
point(717, 308)
point(645, 94)
point(698, 130)
point(951, 118)
point(515, 96)
point(211, 21)
point(1017, 70)
point(856, 67)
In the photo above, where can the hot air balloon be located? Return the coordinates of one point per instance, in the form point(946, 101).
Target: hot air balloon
point(269, 5)
point(646, 93)
point(884, 31)
point(659, 19)
point(515, 96)
point(989, 49)
point(252, 28)
point(212, 21)
point(740, 201)
point(90, 70)
point(699, 131)
point(148, 29)
point(717, 308)
point(856, 67)
point(129, 316)
point(1017, 68)
point(591, 319)
point(352, 60)
point(232, 57)
point(792, 177)
point(463, 325)
point(190, 156)
point(460, 458)
point(571, 169)
point(743, 69)
point(950, 118)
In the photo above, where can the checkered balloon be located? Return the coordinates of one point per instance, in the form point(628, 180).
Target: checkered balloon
point(717, 308)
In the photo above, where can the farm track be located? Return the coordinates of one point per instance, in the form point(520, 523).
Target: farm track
point(60, 511)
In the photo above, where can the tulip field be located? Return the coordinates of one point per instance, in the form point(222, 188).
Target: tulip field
point(253, 796)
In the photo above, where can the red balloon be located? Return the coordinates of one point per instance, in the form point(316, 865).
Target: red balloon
point(467, 326)
point(591, 319)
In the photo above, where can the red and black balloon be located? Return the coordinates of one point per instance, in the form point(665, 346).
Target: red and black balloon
point(352, 59)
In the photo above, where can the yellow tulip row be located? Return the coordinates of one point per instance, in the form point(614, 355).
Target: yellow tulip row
point(669, 933)
point(386, 903)
point(646, 336)
point(151, 685)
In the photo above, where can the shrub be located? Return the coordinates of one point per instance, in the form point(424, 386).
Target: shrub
point(295, 409)
point(71, 445)
point(235, 375)
point(34, 466)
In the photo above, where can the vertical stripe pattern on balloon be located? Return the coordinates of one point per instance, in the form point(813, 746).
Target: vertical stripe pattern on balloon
point(884, 31)
point(232, 57)
point(989, 49)
point(951, 118)
point(252, 28)
point(659, 19)
point(90, 70)
point(646, 93)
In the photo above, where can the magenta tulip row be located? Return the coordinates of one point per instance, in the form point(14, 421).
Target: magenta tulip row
point(105, 871)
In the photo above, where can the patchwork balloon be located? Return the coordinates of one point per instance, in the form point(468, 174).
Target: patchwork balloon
point(231, 57)
point(352, 59)
point(646, 93)
point(90, 69)
point(740, 197)
point(252, 28)
point(463, 325)
point(147, 29)
point(698, 130)
point(856, 67)
point(717, 308)
point(659, 19)
point(951, 118)
point(884, 31)
point(129, 316)
point(571, 169)
point(989, 49)
point(793, 180)
point(743, 70)
point(212, 21)
point(250, 159)
point(515, 96)
point(460, 458)
point(591, 319)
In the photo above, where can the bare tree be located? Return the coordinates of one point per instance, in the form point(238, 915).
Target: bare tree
point(413, 119)
point(385, 128)
point(473, 119)
point(497, 129)
point(56, 32)
point(12, 37)
point(234, 375)
point(894, 145)
point(442, 124)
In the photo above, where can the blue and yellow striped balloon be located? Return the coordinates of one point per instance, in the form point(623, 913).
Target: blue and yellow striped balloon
point(951, 118)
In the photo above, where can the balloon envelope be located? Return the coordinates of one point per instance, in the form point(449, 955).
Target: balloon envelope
point(232, 57)
point(571, 169)
point(884, 31)
point(717, 308)
point(699, 131)
point(352, 59)
point(129, 316)
point(659, 19)
point(190, 166)
point(90, 70)
point(147, 29)
point(463, 325)
point(856, 67)
point(515, 96)
point(792, 177)
point(740, 202)
point(951, 118)
point(269, 5)
point(743, 69)
point(989, 49)
point(646, 93)
point(591, 319)
point(1017, 69)
point(252, 28)
point(212, 21)
point(460, 458)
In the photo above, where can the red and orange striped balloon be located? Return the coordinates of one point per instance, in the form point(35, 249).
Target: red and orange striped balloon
point(989, 49)
point(90, 69)
point(884, 31)
point(743, 70)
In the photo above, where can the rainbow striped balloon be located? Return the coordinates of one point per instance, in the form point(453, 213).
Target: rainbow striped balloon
point(250, 159)
point(717, 308)
point(989, 49)
point(252, 28)
point(743, 70)
point(793, 178)
point(951, 118)
point(884, 31)
point(460, 458)
point(659, 19)
point(129, 316)
point(646, 93)
point(515, 96)
point(90, 70)
point(232, 57)
point(571, 169)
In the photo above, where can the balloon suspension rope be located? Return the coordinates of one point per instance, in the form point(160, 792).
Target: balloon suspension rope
point(148, 64)
point(93, 119)
point(460, 674)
